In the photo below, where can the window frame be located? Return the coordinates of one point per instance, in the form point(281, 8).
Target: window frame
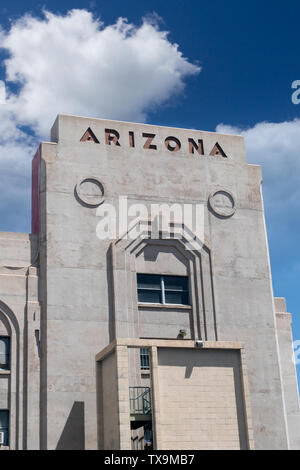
point(163, 290)
point(7, 340)
point(144, 360)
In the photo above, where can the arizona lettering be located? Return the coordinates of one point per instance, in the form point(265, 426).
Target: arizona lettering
point(150, 141)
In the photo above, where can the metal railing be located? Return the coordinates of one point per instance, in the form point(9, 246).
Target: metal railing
point(140, 400)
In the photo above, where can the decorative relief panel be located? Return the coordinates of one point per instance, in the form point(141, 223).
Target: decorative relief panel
point(222, 203)
point(90, 191)
point(125, 313)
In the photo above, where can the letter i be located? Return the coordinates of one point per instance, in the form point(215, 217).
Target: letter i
point(131, 139)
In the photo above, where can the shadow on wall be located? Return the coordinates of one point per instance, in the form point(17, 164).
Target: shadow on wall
point(203, 359)
point(73, 435)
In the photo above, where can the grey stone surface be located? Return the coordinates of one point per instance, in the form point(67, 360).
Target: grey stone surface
point(288, 368)
point(81, 292)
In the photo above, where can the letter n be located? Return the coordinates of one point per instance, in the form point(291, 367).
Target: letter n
point(193, 146)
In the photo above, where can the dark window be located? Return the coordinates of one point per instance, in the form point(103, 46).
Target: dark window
point(176, 290)
point(144, 356)
point(160, 289)
point(148, 437)
point(4, 427)
point(4, 352)
point(149, 288)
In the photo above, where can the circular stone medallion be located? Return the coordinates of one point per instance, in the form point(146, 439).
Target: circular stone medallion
point(90, 191)
point(222, 203)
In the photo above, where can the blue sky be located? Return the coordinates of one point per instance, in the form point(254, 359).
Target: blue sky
point(248, 53)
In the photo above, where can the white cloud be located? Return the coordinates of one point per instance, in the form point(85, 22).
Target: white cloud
point(74, 64)
point(275, 146)
point(16, 151)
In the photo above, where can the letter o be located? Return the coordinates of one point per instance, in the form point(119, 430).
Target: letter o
point(172, 148)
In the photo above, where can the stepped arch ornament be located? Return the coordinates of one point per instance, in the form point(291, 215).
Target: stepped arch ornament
point(123, 253)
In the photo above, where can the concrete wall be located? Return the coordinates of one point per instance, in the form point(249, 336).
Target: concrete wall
point(88, 286)
point(201, 400)
point(20, 320)
point(113, 410)
point(108, 405)
point(289, 374)
point(65, 294)
point(74, 303)
point(200, 396)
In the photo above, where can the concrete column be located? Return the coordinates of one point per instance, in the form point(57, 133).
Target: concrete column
point(123, 397)
point(157, 437)
point(247, 405)
point(32, 365)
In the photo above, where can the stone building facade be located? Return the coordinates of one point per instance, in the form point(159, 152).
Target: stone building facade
point(122, 335)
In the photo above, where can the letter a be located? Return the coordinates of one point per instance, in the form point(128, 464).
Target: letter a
point(217, 150)
point(89, 136)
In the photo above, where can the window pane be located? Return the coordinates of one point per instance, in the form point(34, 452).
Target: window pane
point(148, 434)
point(3, 418)
point(3, 360)
point(147, 295)
point(2, 345)
point(178, 283)
point(4, 351)
point(148, 281)
point(144, 355)
point(176, 289)
point(4, 425)
point(173, 297)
